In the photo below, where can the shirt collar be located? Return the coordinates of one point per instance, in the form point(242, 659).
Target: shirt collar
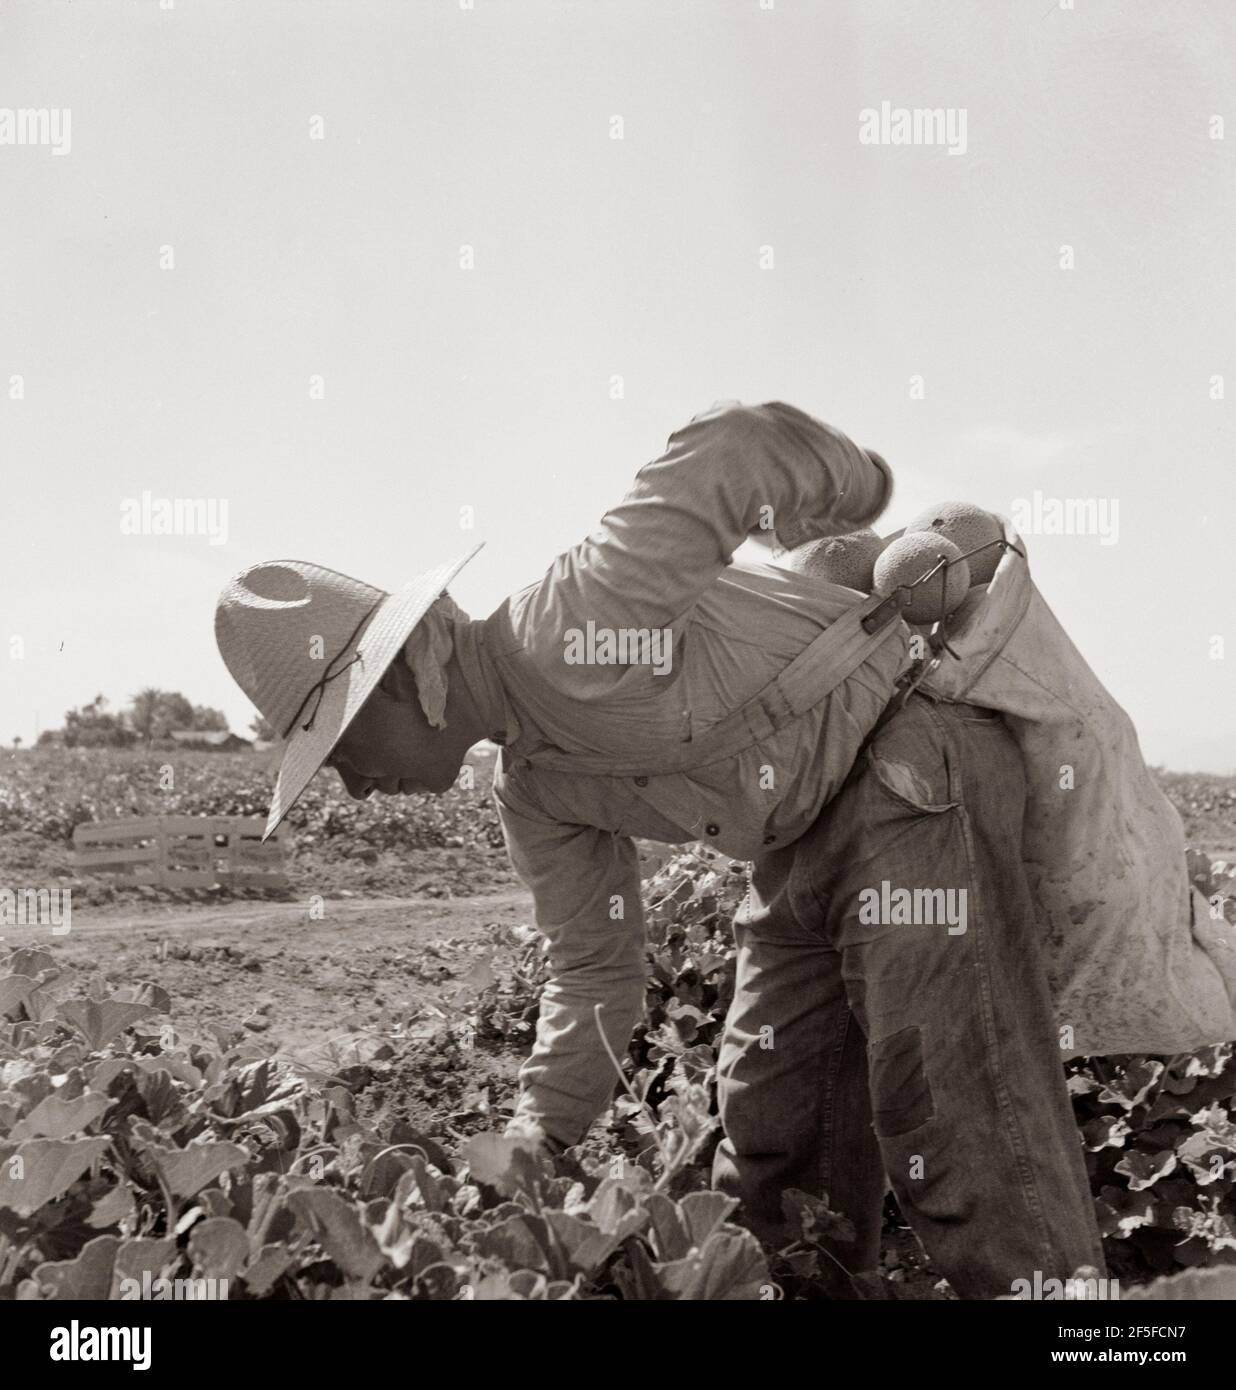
point(481, 678)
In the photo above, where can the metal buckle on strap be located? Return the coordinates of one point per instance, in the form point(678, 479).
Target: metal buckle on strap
point(886, 612)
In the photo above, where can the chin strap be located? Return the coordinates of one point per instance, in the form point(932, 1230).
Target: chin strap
point(318, 689)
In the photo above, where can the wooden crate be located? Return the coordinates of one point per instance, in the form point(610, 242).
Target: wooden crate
point(183, 851)
point(131, 849)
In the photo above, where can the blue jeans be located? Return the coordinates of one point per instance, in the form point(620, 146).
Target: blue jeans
point(878, 1030)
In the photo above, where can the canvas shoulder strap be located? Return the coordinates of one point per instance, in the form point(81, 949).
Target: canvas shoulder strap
point(811, 677)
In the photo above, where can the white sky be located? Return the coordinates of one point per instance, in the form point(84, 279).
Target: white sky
point(596, 257)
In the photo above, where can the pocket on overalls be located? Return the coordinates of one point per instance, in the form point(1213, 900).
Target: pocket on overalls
point(910, 761)
point(907, 784)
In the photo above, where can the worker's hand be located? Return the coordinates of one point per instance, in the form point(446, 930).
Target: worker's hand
point(535, 1138)
point(790, 535)
point(795, 532)
point(789, 532)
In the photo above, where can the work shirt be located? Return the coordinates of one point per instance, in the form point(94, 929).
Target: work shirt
point(710, 634)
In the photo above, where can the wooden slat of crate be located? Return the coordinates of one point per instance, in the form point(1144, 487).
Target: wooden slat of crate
point(191, 846)
point(150, 854)
point(114, 845)
point(131, 873)
point(197, 859)
point(249, 861)
point(200, 836)
point(255, 853)
point(100, 854)
point(183, 852)
point(202, 833)
point(97, 844)
point(138, 827)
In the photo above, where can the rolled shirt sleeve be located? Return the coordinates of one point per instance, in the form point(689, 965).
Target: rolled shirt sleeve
point(585, 884)
point(732, 470)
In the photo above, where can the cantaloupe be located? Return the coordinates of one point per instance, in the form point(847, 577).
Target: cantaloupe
point(968, 527)
point(848, 559)
point(908, 559)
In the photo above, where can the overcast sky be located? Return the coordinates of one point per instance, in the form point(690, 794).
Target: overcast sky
point(916, 298)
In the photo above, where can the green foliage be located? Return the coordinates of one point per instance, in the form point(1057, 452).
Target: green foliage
point(152, 714)
point(261, 728)
point(1160, 1133)
point(127, 1156)
point(1207, 806)
point(128, 1151)
point(48, 792)
point(95, 726)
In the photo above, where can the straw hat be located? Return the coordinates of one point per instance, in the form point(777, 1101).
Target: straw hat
point(308, 645)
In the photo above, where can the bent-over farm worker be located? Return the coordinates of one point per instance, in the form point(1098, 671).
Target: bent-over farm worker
point(648, 687)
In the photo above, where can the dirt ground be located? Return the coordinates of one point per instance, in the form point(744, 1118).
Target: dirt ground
point(300, 983)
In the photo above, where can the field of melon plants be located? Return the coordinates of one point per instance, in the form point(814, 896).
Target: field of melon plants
point(143, 1139)
point(390, 846)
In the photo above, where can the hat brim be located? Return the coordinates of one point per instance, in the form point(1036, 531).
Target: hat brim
point(378, 643)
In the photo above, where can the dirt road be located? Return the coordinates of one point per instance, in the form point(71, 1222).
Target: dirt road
point(298, 982)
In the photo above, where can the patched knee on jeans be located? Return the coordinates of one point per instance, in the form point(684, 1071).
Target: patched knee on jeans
point(901, 1098)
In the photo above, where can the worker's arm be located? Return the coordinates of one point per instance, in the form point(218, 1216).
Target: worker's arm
point(586, 886)
point(730, 471)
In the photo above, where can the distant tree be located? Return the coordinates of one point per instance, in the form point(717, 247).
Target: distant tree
point(144, 712)
point(262, 729)
point(94, 726)
point(175, 712)
point(153, 714)
point(206, 718)
point(17, 741)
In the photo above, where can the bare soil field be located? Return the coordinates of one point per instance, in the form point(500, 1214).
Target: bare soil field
point(302, 983)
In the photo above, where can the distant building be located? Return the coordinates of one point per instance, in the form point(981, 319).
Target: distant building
point(212, 740)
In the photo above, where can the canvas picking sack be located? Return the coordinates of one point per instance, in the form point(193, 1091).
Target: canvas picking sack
point(1137, 961)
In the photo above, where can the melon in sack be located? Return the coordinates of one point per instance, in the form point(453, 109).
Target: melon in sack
point(1136, 961)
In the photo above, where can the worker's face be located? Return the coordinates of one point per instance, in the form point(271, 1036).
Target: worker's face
point(390, 746)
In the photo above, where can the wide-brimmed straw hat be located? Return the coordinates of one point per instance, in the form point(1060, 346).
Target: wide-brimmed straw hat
point(308, 645)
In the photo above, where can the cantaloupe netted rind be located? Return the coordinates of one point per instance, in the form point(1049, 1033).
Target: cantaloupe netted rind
point(968, 527)
point(906, 560)
point(848, 559)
